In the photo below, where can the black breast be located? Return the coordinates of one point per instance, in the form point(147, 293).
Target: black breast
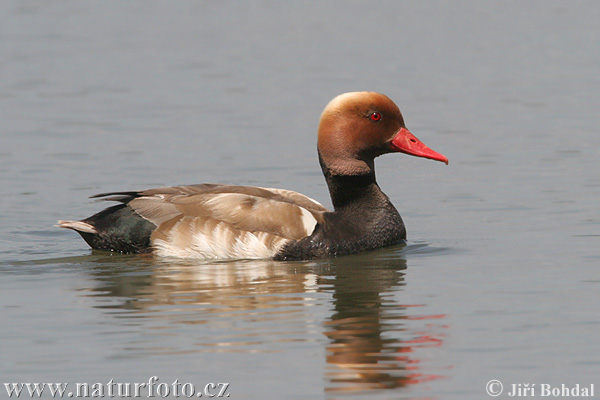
point(364, 219)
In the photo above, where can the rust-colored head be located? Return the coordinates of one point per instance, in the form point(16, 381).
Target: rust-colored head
point(356, 127)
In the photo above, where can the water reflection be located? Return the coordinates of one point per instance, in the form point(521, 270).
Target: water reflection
point(370, 340)
point(347, 305)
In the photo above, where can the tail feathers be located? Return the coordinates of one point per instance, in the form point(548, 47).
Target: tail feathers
point(79, 226)
point(121, 197)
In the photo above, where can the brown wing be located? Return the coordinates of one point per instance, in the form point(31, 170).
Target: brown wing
point(223, 221)
point(279, 212)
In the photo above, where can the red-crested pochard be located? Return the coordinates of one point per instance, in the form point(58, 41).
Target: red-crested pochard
point(212, 221)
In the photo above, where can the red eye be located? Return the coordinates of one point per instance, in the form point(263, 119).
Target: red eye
point(375, 116)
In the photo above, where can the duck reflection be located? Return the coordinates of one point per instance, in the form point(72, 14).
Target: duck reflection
point(369, 337)
point(370, 342)
point(205, 289)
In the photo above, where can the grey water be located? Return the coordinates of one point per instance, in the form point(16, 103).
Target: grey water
point(500, 276)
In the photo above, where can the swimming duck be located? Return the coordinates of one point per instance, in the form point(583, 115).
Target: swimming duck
point(215, 221)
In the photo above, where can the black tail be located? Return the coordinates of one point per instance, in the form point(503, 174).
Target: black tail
point(117, 228)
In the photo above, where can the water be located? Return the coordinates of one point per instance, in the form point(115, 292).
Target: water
point(499, 278)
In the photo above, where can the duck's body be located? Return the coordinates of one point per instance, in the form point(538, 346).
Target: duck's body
point(211, 221)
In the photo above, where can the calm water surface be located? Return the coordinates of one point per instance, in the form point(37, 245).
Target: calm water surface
point(499, 278)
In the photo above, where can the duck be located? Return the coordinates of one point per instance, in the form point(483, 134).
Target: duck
point(219, 221)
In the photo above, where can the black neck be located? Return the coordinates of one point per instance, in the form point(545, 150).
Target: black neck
point(346, 191)
point(350, 190)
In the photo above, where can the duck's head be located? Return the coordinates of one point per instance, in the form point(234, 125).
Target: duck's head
point(356, 127)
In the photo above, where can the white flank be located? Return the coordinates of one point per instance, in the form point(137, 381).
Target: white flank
point(218, 245)
point(308, 220)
